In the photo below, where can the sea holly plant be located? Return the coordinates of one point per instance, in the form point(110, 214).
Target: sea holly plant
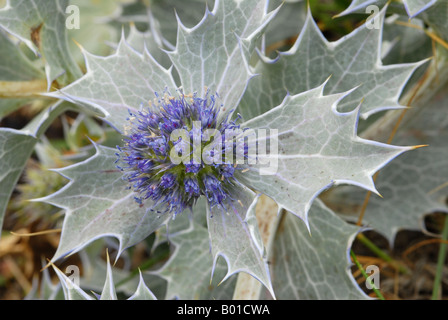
point(224, 147)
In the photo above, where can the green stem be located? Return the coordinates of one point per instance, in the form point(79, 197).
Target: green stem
point(381, 254)
point(440, 262)
point(372, 285)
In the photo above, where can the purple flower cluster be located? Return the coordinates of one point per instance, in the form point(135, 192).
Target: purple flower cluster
point(148, 155)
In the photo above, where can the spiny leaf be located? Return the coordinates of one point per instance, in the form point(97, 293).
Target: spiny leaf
point(165, 11)
point(143, 292)
point(14, 66)
point(44, 289)
point(40, 24)
point(437, 18)
point(316, 267)
point(72, 291)
point(412, 8)
point(16, 146)
point(209, 55)
point(109, 292)
point(317, 148)
point(359, 6)
point(433, 12)
point(15, 149)
point(234, 235)
point(213, 55)
point(93, 15)
point(287, 22)
point(189, 269)
point(352, 61)
point(118, 83)
point(405, 44)
point(415, 183)
point(94, 267)
point(42, 121)
point(415, 7)
point(98, 204)
point(149, 40)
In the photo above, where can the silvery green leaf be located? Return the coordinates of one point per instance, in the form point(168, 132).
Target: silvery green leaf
point(164, 14)
point(94, 268)
point(129, 12)
point(410, 7)
point(93, 15)
point(165, 11)
point(139, 40)
point(414, 184)
point(415, 7)
point(182, 223)
point(143, 292)
point(40, 24)
point(352, 61)
point(128, 79)
point(406, 44)
point(367, 6)
point(150, 40)
point(15, 66)
point(118, 83)
point(98, 203)
point(42, 121)
point(287, 22)
point(10, 105)
point(71, 289)
point(188, 271)
point(405, 41)
point(15, 149)
point(234, 236)
point(109, 292)
point(437, 18)
point(319, 150)
point(213, 55)
point(16, 146)
point(44, 289)
point(315, 267)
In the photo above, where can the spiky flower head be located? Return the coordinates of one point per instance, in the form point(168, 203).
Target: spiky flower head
point(178, 149)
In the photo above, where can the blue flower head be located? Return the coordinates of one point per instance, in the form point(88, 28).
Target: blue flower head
point(178, 149)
